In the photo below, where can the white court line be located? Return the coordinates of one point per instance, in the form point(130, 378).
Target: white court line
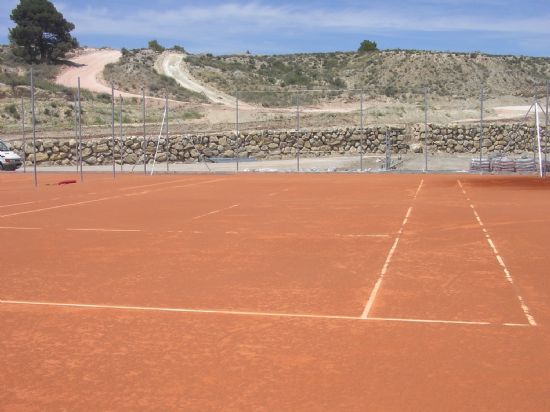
point(19, 228)
point(103, 230)
point(361, 235)
point(96, 200)
point(500, 261)
point(214, 212)
point(17, 204)
point(250, 313)
point(150, 185)
point(378, 283)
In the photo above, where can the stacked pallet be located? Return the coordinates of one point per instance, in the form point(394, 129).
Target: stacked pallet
point(526, 165)
point(483, 165)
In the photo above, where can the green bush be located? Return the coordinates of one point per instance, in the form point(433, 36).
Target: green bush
point(155, 46)
point(367, 46)
point(11, 109)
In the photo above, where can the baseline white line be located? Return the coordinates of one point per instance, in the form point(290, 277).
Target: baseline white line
point(98, 200)
point(378, 283)
point(447, 322)
point(360, 235)
point(16, 204)
point(103, 230)
point(507, 274)
point(177, 310)
point(19, 228)
point(214, 212)
point(246, 313)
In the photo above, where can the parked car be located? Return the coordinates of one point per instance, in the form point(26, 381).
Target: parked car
point(9, 160)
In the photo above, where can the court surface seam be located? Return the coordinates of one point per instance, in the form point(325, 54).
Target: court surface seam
point(499, 259)
point(387, 262)
point(252, 313)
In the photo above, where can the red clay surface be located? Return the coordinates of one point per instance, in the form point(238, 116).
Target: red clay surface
point(268, 276)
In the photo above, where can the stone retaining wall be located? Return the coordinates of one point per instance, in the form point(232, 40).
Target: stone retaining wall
point(512, 138)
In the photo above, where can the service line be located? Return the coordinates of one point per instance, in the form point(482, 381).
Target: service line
point(378, 284)
point(507, 274)
point(248, 313)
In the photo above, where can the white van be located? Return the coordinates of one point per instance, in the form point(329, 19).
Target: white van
point(9, 160)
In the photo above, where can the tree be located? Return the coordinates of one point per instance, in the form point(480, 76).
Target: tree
point(41, 33)
point(367, 46)
point(155, 46)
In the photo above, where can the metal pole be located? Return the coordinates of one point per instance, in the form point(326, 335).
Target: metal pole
point(536, 131)
point(121, 145)
point(481, 131)
point(33, 128)
point(166, 140)
point(144, 134)
point(113, 127)
point(24, 138)
point(297, 112)
point(539, 143)
point(546, 128)
point(388, 161)
point(76, 130)
point(362, 132)
point(298, 161)
point(80, 132)
point(426, 129)
point(237, 124)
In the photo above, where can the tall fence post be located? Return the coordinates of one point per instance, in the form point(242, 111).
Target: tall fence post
point(33, 128)
point(24, 138)
point(121, 144)
point(297, 112)
point(426, 129)
point(298, 161)
point(76, 131)
point(362, 132)
point(237, 126)
point(145, 142)
point(80, 160)
point(546, 128)
point(388, 153)
point(166, 144)
point(113, 141)
point(482, 98)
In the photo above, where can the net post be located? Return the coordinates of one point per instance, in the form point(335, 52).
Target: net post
point(33, 128)
point(113, 141)
point(23, 132)
point(80, 160)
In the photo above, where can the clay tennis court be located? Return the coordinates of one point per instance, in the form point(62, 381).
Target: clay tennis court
point(275, 292)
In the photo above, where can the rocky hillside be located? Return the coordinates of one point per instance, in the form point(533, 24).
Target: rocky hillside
point(135, 70)
point(394, 74)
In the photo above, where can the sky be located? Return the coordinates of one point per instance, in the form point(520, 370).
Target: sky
point(276, 27)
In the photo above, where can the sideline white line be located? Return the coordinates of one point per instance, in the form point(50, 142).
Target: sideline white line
point(378, 283)
point(16, 204)
point(247, 313)
point(507, 274)
point(214, 212)
point(102, 230)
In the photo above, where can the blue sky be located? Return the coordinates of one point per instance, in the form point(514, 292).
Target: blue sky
point(267, 27)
